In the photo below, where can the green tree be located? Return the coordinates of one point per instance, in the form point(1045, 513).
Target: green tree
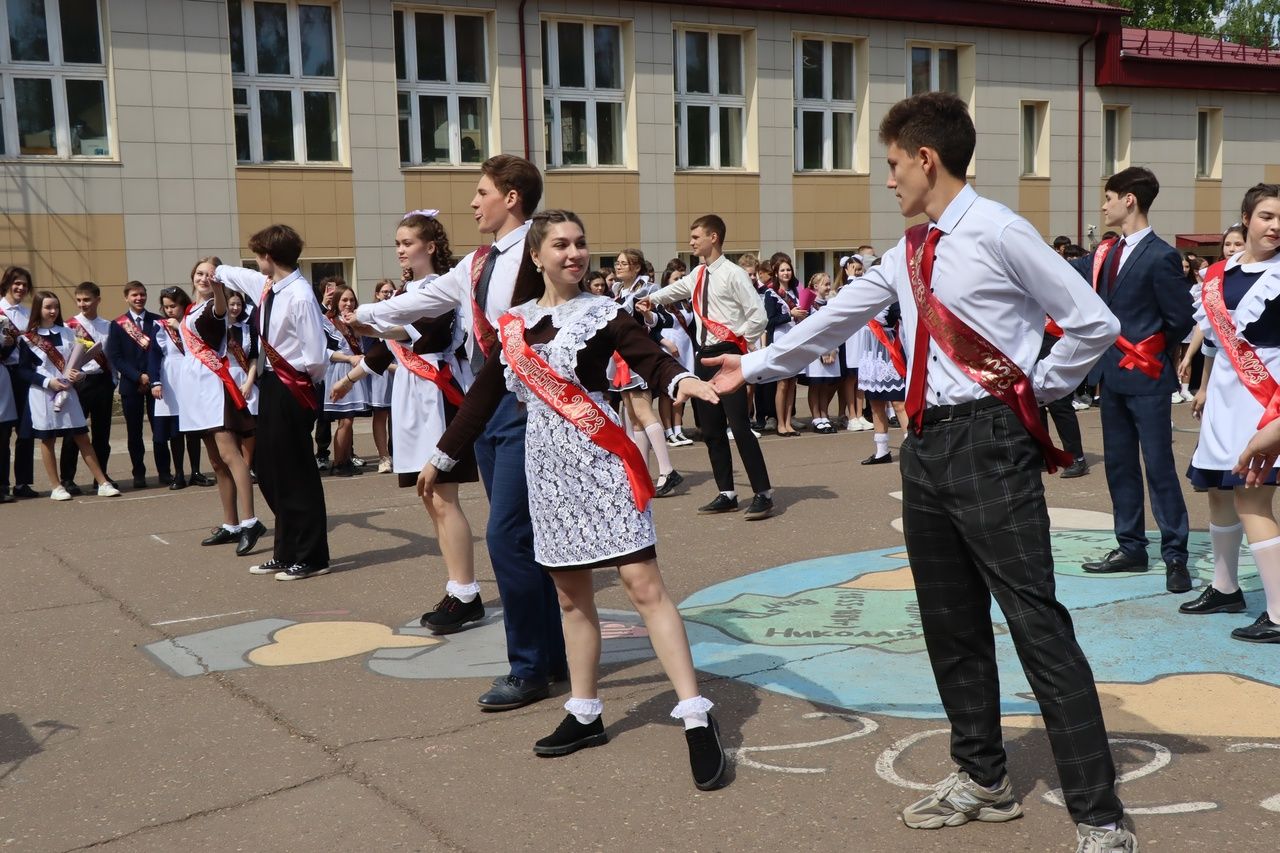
point(1254, 22)
point(1187, 16)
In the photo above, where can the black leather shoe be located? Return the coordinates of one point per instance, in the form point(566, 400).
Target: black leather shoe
point(878, 460)
point(166, 479)
point(220, 536)
point(178, 483)
point(1117, 561)
point(761, 507)
point(706, 755)
point(452, 614)
point(249, 538)
point(1261, 631)
point(72, 489)
point(139, 482)
point(722, 503)
point(1076, 469)
point(198, 479)
point(5, 497)
point(25, 491)
point(1213, 601)
point(669, 484)
point(510, 692)
point(571, 736)
point(1176, 577)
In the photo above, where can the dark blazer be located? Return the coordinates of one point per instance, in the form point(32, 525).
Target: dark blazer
point(1150, 295)
point(129, 359)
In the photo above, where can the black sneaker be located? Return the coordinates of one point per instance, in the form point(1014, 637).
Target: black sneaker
point(452, 613)
point(669, 484)
point(722, 503)
point(571, 736)
point(270, 567)
point(301, 571)
point(249, 538)
point(761, 507)
point(221, 536)
point(25, 491)
point(706, 755)
point(204, 480)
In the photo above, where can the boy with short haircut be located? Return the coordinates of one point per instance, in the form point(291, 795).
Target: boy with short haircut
point(975, 283)
point(291, 335)
point(128, 340)
point(96, 390)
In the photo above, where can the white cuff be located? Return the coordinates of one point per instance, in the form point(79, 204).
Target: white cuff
point(753, 366)
point(689, 707)
point(442, 461)
point(671, 389)
point(585, 707)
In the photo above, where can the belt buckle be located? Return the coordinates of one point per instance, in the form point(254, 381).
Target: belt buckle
point(951, 415)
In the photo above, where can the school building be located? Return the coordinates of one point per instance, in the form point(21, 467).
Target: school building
point(139, 135)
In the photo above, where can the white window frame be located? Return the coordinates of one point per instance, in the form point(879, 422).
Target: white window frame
point(59, 73)
point(827, 105)
point(712, 100)
point(294, 83)
point(935, 65)
point(1208, 153)
point(553, 93)
point(450, 89)
point(1035, 164)
point(1120, 144)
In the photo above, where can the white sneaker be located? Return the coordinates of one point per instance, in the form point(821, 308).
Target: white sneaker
point(1187, 396)
point(357, 461)
point(685, 441)
point(728, 434)
point(60, 494)
point(866, 424)
point(1094, 839)
point(1079, 405)
point(756, 433)
point(1177, 398)
point(673, 440)
point(106, 490)
point(384, 465)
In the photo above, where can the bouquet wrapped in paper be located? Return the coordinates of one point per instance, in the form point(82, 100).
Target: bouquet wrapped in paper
point(84, 350)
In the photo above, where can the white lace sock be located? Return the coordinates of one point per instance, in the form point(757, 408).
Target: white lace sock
point(1267, 555)
point(231, 528)
point(693, 711)
point(1226, 556)
point(248, 523)
point(585, 711)
point(659, 444)
point(464, 592)
point(882, 444)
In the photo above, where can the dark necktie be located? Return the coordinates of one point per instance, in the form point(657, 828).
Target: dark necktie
point(138, 321)
point(920, 346)
point(1113, 267)
point(706, 300)
point(482, 301)
point(266, 311)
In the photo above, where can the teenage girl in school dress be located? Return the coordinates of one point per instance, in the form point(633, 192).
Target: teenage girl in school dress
point(345, 352)
point(823, 373)
point(430, 381)
point(167, 366)
point(589, 488)
point(380, 389)
point(242, 360)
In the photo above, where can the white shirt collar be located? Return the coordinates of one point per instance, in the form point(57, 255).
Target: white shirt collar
point(286, 281)
point(512, 237)
point(956, 210)
point(1136, 237)
point(1256, 266)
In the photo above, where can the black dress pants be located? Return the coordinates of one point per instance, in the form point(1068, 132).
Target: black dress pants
point(24, 446)
point(730, 413)
point(134, 407)
point(977, 526)
point(288, 477)
point(97, 393)
point(1067, 424)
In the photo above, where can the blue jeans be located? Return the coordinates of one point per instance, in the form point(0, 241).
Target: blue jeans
point(535, 642)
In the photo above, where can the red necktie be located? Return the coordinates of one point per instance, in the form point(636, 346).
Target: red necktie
point(920, 346)
point(1113, 267)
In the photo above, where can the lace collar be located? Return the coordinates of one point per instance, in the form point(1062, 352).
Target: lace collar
point(561, 315)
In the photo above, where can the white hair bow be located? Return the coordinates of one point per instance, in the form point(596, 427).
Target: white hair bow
point(430, 214)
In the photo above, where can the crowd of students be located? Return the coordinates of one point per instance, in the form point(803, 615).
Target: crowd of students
point(518, 367)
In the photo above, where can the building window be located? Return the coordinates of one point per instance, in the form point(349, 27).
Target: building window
point(1035, 139)
point(584, 101)
point(711, 105)
point(1115, 139)
point(826, 110)
point(934, 68)
point(285, 80)
point(1209, 143)
point(53, 80)
point(442, 87)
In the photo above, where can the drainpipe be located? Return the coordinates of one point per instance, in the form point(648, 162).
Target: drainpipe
point(1097, 29)
point(524, 81)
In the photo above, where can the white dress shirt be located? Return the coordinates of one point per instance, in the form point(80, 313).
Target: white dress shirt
point(453, 291)
point(996, 274)
point(97, 330)
point(19, 317)
point(731, 300)
point(297, 322)
point(1127, 244)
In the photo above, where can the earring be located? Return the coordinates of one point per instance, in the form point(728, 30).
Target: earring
point(538, 268)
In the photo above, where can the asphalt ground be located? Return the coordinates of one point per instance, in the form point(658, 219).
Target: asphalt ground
point(303, 727)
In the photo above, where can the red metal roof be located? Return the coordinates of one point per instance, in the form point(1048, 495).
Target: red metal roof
point(1173, 46)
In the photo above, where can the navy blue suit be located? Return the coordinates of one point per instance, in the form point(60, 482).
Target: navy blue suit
point(1149, 295)
point(130, 361)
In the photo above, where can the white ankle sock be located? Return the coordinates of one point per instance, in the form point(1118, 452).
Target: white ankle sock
point(464, 592)
point(882, 444)
point(1226, 556)
point(693, 712)
point(1267, 555)
point(231, 528)
point(248, 523)
point(585, 711)
point(659, 444)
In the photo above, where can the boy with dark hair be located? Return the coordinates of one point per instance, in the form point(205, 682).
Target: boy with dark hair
point(728, 315)
point(480, 289)
point(1140, 278)
point(291, 336)
point(96, 391)
point(1060, 244)
point(975, 283)
point(128, 340)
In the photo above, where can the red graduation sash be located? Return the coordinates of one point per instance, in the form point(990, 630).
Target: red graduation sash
point(893, 345)
point(237, 352)
point(981, 361)
point(485, 336)
point(441, 377)
point(1145, 356)
point(76, 325)
point(720, 330)
point(295, 381)
point(571, 402)
point(52, 353)
point(175, 337)
point(1251, 369)
point(125, 322)
point(204, 354)
point(345, 331)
